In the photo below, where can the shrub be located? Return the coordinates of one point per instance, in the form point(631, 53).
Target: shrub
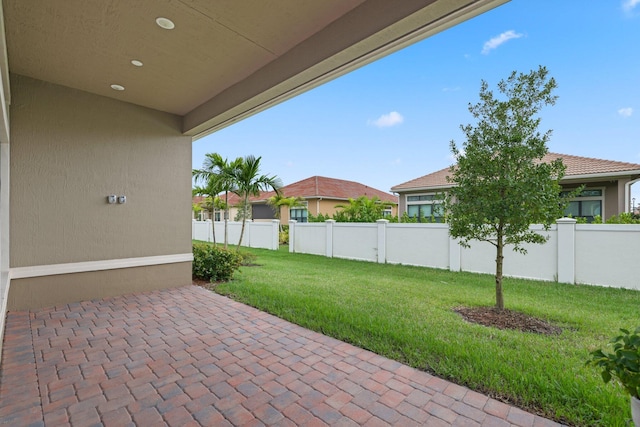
point(623, 363)
point(247, 258)
point(624, 218)
point(213, 263)
point(283, 237)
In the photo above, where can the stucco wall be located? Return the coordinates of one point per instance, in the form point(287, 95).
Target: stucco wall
point(69, 150)
point(35, 292)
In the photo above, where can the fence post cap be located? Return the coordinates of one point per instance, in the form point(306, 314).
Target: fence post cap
point(382, 221)
point(566, 221)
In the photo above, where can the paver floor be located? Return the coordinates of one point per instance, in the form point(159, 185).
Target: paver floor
point(187, 356)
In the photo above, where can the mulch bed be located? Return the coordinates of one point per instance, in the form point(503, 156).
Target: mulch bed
point(507, 319)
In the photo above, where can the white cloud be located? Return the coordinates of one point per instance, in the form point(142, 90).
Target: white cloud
point(396, 162)
point(626, 112)
point(453, 158)
point(451, 89)
point(628, 5)
point(502, 38)
point(387, 120)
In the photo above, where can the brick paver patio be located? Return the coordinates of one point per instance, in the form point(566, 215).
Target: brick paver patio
point(187, 356)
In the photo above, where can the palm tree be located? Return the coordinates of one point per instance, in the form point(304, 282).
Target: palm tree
point(220, 174)
point(249, 182)
point(278, 200)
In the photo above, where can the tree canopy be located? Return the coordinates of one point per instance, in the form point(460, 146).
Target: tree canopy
point(500, 183)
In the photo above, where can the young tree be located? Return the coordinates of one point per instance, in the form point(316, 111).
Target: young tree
point(197, 210)
point(249, 182)
point(209, 191)
point(500, 184)
point(219, 175)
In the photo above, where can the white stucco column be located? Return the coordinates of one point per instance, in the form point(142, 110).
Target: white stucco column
point(382, 240)
point(209, 230)
point(292, 235)
point(329, 245)
point(275, 234)
point(566, 250)
point(455, 254)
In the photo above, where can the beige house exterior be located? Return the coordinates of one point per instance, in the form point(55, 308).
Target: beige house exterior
point(104, 99)
point(607, 187)
point(321, 196)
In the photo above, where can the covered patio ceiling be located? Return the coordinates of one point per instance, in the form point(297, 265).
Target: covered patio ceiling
point(224, 60)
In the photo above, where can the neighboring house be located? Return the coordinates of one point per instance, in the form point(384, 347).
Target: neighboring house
point(607, 188)
point(203, 214)
point(320, 194)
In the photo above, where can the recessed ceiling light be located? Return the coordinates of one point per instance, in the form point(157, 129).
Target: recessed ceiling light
point(117, 87)
point(165, 23)
point(136, 63)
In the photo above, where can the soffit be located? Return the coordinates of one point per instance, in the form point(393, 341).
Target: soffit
point(225, 59)
point(88, 45)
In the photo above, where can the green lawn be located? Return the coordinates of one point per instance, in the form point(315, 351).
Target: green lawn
point(406, 313)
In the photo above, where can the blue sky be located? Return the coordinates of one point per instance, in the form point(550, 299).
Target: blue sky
point(392, 120)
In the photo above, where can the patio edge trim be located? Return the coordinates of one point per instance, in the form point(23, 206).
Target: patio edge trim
point(110, 264)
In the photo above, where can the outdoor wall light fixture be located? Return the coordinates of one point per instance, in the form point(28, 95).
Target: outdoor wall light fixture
point(111, 199)
point(122, 199)
point(165, 23)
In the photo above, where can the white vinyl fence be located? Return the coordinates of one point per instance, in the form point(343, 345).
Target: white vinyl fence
point(262, 235)
point(598, 254)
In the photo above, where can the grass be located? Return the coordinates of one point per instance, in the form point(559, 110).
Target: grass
point(405, 313)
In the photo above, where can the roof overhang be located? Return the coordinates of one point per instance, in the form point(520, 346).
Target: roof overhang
point(608, 176)
point(428, 189)
point(319, 62)
point(224, 60)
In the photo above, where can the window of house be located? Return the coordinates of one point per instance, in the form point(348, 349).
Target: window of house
point(387, 212)
point(217, 216)
point(425, 207)
point(588, 204)
point(299, 213)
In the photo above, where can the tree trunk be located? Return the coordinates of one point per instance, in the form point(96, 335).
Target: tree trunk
point(226, 218)
point(213, 228)
point(244, 220)
point(499, 259)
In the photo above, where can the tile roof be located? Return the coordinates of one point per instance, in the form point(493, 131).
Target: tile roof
point(330, 188)
point(197, 199)
point(322, 187)
point(576, 166)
